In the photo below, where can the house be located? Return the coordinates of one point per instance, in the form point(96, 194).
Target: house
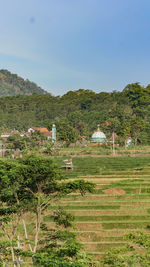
point(44, 131)
point(7, 134)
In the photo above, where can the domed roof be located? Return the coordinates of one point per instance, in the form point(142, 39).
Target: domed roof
point(98, 137)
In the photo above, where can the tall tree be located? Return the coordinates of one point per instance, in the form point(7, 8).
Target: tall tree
point(28, 187)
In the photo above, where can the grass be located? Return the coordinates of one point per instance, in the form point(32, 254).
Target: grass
point(103, 246)
point(126, 225)
point(92, 166)
point(102, 219)
point(112, 218)
point(104, 151)
point(108, 218)
point(97, 207)
point(96, 237)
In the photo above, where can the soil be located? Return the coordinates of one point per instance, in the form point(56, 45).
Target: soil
point(108, 212)
point(98, 197)
point(114, 191)
point(88, 226)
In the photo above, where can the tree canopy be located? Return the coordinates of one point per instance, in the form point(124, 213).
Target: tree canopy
point(28, 188)
point(80, 111)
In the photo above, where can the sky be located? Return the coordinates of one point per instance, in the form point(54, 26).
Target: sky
point(64, 45)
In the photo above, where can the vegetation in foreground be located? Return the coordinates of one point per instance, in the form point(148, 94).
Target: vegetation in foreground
point(28, 187)
point(36, 230)
point(136, 253)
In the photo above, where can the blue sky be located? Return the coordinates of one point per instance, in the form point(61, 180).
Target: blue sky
point(65, 45)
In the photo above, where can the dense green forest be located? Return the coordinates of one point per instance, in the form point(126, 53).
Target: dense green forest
point(12, 84)
point(78, 112)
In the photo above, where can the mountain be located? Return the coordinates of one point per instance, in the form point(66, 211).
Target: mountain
point(12, 85)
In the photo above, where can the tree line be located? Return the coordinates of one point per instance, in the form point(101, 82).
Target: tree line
point(77, 113)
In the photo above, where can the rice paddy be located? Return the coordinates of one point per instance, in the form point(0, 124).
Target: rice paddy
point(119, 205)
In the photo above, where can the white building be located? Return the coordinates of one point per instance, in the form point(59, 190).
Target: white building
point(98, 137)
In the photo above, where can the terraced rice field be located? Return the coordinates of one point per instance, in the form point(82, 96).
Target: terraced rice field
point(119, 205)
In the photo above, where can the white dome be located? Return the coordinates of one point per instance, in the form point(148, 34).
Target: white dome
point(98, 137)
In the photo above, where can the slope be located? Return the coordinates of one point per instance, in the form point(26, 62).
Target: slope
point(119, 205)
point(12, 84)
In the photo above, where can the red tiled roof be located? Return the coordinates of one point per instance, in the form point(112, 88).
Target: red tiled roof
point(42, 130)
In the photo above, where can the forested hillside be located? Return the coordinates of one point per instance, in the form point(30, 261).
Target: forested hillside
point(127, 112)
point(12, 84)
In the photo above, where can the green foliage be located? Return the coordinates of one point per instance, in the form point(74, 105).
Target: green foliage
point(61, 217)
point(12, 84)
point(16, 141)
point(66, 132)
point(78, 113)
point(61, 247)
point(136, 253)
point(28, 186)
point(48, 148)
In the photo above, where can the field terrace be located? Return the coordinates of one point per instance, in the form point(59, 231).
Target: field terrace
point(119, 205)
